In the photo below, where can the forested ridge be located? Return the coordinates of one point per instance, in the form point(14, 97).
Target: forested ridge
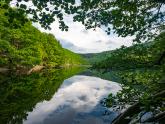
point(25, 46)
point(139, 55)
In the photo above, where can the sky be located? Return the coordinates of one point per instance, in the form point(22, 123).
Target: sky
point(80, 40)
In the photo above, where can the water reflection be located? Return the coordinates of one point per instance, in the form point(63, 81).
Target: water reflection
point(76, 102)
point(19, 94)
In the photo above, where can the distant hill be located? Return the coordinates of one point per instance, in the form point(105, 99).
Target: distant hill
point(138, 55)
point(96, 57)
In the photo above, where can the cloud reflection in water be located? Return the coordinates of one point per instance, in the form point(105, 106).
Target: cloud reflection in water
point(75, 102)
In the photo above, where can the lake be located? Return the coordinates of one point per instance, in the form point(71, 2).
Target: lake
point(63, 96)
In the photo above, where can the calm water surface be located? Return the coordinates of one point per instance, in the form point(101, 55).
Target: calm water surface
point(77, 101)
point(55, 96)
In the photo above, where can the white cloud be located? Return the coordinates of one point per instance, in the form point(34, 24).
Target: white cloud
point(80, 40)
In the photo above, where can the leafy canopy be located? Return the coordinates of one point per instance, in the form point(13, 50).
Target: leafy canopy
point(141, 18)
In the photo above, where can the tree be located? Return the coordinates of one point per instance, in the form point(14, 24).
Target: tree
point(142, 18)
point(23, 46)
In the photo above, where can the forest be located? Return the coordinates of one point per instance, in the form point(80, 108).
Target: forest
point(23, 47)
point(148, 54)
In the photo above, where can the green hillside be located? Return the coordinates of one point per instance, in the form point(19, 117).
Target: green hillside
point(96, 57)
point(25, 46)
point(70, 58)
point(137, 56)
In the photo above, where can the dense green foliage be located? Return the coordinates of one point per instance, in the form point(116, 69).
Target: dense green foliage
point(70, 58)
point(96, 57)
point(20, 93)
point(124, 17)
point(27, 46)
point(137, 56)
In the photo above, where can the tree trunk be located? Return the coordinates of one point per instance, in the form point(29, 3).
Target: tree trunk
point(135, 108)
point(160, 59)
point(157, 117)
